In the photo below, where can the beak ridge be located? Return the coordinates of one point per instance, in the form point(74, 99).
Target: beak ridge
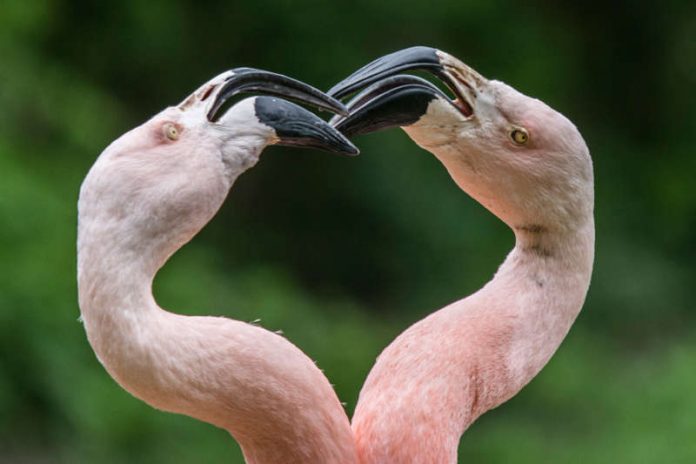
point(422, 58)
point(245, 80)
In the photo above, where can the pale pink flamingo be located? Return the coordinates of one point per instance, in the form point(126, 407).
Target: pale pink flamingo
point(148, 194)
point(530, 167)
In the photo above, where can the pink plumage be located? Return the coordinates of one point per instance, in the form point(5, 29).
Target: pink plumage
point(156, 186)
point(530, 167)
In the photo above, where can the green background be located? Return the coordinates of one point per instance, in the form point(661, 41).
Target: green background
point(343, 254)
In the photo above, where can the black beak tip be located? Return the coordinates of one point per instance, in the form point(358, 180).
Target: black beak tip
point(295, 126)
point(398, 101)
point(251, 80)
point(349, 149)
point(418, 57)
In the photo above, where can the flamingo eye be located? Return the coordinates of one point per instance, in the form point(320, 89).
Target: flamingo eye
point(519, 136)
point(170, 131)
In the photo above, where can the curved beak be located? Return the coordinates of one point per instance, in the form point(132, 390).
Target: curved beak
point(414, 58)
point(395, 101)
point(250, 80)
point(401, 100)
point(293, 125)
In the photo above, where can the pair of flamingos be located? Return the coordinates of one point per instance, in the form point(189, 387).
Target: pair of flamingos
point(156, 186)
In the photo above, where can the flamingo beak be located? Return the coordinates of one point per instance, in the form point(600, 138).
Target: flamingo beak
point(250, 80)
point(391, 99)
point(293, 125)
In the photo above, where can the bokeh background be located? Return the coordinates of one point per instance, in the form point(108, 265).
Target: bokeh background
point(343, 254)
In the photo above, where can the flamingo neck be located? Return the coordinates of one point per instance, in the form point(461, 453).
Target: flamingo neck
point(443, 372)
point(541, 288)
point(254, 383)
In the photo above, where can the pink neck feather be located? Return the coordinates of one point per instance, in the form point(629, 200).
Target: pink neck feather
point(443, 372)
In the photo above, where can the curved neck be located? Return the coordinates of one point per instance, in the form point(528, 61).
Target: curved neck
point(443, 372)
point(542, 284)
point(257, 385)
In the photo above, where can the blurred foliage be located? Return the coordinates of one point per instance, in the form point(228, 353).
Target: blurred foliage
point(344, 254)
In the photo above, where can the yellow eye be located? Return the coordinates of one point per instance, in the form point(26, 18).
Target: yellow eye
point(519, 136)
point(170, 131)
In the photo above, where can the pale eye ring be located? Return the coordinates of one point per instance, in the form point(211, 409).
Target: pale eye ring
point(519, 135)
point(170, 131)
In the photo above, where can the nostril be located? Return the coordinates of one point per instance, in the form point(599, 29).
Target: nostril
point(207, 92)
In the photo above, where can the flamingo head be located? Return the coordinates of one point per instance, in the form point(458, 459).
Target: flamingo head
point(524, 161)
point(162, 181)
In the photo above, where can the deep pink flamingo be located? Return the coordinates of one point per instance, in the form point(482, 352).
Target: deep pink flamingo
point(530, 167)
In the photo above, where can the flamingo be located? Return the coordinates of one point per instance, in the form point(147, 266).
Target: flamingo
point(529, 166)
point(150, 192)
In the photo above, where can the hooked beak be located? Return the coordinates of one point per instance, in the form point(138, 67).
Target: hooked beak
point(293, 125)
point(392, 99)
